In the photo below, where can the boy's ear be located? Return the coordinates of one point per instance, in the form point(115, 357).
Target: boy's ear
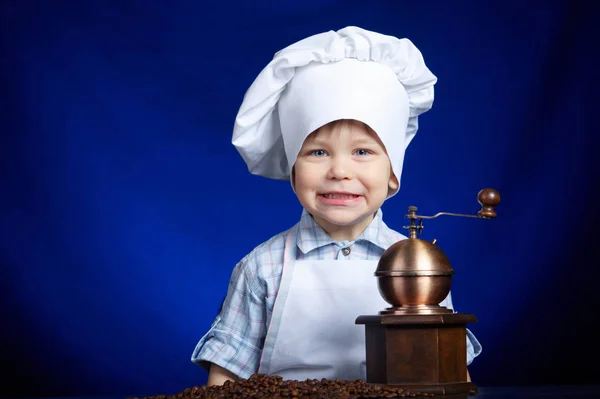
point(393, 184)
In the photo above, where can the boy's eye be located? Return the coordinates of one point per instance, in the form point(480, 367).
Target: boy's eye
point(318, 153)
point(362, 151)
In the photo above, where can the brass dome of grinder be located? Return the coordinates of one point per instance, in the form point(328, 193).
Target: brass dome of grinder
point(414, 276)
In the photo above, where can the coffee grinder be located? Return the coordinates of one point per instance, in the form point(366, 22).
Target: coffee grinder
point(416, 343)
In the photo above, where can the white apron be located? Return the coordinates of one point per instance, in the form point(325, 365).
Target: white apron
point(312, 333)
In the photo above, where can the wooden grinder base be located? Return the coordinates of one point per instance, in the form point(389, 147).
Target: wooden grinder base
point(418, 352)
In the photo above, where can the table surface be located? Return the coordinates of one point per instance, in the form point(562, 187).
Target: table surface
point(547, 392)
point(524, 392)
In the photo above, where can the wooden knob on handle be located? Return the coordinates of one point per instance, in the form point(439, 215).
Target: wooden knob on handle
point(488, 198)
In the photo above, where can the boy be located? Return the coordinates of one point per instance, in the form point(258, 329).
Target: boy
point(334, 114)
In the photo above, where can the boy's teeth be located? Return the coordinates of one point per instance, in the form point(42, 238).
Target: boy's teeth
point(339, 196)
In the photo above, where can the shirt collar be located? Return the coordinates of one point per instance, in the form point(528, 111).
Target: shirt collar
point(312, 236)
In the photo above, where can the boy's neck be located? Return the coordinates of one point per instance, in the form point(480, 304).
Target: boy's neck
point(344, 233)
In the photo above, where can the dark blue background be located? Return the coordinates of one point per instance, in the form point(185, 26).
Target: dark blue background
point(124, 206)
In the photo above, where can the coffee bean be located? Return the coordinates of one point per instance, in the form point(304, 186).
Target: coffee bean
point(275, 387)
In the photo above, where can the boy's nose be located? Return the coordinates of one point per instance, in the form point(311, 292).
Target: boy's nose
point(339, 169)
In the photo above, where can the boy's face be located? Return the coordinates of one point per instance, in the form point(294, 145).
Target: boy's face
point(342, 176)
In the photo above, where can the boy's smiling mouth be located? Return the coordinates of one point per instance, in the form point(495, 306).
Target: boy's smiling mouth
point(339, 198)
point(339, 195)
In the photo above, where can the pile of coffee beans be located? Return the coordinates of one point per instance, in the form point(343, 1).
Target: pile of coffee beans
point(271, 387)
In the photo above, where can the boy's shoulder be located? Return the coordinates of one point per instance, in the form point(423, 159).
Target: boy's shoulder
point(396, 235)
point(263, 266)
point(388, 236)
point(268, 253)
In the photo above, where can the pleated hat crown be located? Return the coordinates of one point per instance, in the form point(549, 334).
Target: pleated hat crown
point(353, 73)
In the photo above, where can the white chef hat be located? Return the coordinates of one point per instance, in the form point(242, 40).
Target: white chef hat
point(353, 73)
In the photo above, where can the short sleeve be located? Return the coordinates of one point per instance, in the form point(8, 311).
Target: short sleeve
point(474, 348)
point(236, 337)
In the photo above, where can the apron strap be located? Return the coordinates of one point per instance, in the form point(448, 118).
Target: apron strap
point(289, 257)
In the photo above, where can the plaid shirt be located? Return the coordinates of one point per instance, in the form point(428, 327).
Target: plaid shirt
point(235, 340)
